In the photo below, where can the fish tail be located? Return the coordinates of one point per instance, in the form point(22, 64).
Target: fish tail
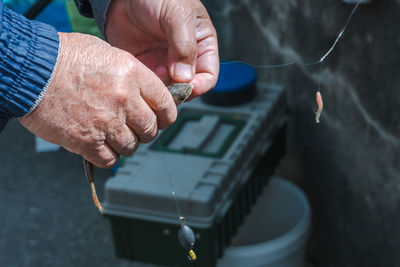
point(95, 198)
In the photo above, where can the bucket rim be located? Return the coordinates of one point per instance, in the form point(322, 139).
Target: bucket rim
point(284, 244)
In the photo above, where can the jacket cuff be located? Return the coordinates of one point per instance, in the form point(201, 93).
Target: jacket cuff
point(100, 8)
point(28, 56)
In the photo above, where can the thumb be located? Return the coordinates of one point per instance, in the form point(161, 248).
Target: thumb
point(180, 29)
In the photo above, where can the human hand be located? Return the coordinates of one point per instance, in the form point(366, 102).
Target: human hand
point(101, 102)
point(174, 38)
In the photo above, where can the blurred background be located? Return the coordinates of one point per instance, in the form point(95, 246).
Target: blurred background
point(348, 165)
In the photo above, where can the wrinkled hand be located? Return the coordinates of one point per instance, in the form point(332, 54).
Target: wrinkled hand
point(174, 38)
point(101, 102)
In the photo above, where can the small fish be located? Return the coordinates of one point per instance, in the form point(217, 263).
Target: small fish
point(180, 93)
point(320, 107)
point(89, 171)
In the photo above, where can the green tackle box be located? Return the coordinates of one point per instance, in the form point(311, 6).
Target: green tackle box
point(218, 159)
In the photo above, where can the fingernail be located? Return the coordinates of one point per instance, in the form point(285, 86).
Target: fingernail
point(183, 71)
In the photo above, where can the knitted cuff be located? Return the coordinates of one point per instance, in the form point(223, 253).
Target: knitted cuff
point(28, 56)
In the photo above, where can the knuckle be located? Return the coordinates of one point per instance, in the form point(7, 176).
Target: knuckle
point(120, 95)
point(129, 63)
point(186, 51)
point(128, 147)
point(100, 157)
point(165, 102)
point(149, 131)
point(105, 159)
point(90, 145)
point(171, 118)
point(108, 163)
point(91, 142)
point(167, 119)
point(167, 113)
point(187, 48)
point(84, 143)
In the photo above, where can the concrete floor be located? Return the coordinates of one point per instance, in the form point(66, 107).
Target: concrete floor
point(47, 214)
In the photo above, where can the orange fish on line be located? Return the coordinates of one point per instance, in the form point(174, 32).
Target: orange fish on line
point(320, 107)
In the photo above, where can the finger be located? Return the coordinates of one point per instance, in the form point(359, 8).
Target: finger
point(207, 64)
point(102, 156)
point(179, 24)
point(155, 95)
point(201, 84)
point(123, 140)
point(157, 61)
point(207, 67)
point(142, 120)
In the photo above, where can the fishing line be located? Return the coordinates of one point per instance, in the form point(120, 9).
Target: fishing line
point(306, 63)
point(185, 234)
point(320, 62)
point(319, 79)
point(171, 185)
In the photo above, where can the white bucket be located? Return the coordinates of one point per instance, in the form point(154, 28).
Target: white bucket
point(275, 232)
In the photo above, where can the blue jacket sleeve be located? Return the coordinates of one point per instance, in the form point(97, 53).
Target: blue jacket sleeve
point(28, 55)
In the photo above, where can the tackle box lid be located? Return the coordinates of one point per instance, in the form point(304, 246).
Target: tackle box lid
point(198, 163)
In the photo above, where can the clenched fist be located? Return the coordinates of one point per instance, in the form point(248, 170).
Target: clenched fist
point(100, 102)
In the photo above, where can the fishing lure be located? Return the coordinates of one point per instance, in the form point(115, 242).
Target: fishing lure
point(180, 92)
point(187, 239)
point(320, 106)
